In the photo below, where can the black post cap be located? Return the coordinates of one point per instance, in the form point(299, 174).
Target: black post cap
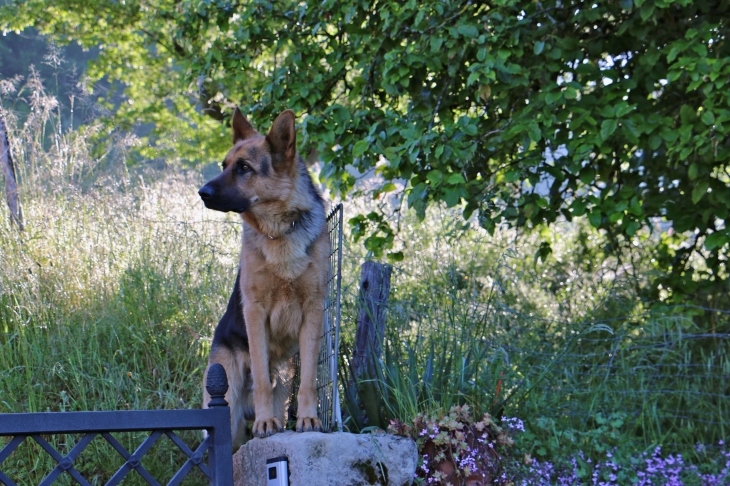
point(217, 385)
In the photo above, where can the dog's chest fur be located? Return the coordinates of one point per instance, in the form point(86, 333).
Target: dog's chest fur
point(284, 276)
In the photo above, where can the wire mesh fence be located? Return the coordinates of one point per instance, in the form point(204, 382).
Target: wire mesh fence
point(327, 390)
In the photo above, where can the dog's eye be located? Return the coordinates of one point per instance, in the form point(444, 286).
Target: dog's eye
point(242, 167)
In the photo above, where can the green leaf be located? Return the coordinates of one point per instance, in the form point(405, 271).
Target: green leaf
point(467, 30)
point(539, 46)
point(390, 154)
point(417, 193)
point(456, 179)
point(396, 256)
point(570, 93)
point(543, 252)
point(614, 217)
point(530, 210)
point(616, 423)
point(534, 132)
point(647, 10)
point(553, 96)
point(685, 153)
point(631, 130)
point(360, 148)
point(632, 227)
point(595, 217)
point(470, 129)
point(434, 176)
point(607, 128)
point(670, 136)
point(655, 141)
point(688, 114)
point(587, 175)
point(673, 75)
point(708, 118)
point(674, 51)
point(608, 111)
point(699, 191)
point(715, 240)
point(693, 171)
point(636, 209)
point(700, 49)
point(512, 175)
point(388, 187)
point(452, 196)
point(579, 207)
point(685, 133)
point(623, 109)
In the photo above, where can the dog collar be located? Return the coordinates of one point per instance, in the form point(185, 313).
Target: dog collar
point(291, 228)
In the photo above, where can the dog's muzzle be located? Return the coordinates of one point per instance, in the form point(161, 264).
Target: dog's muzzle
point(223, 200)
point(206, 193)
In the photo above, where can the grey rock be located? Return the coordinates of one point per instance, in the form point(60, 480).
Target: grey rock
point(335, 459)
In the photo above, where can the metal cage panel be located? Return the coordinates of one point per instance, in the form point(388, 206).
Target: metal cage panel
point(329, 411)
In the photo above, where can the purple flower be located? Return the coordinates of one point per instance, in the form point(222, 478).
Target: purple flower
point(514, 423)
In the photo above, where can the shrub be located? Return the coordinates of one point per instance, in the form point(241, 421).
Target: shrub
point(456, 449)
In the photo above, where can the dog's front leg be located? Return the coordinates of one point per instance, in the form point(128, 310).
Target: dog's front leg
point(309, 345)
point(266, 423)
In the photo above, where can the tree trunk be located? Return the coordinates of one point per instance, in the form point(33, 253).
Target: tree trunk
point(11, 184)
point(372, 304)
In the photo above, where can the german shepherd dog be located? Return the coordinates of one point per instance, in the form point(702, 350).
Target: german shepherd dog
point(277, 304)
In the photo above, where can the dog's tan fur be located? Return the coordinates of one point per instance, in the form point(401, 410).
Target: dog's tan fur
point(283, 275)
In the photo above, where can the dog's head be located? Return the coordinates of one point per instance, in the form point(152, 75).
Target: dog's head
point(257, 169)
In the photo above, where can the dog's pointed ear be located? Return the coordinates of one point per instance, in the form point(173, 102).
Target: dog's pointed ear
point(242, 128)
point(283, 137)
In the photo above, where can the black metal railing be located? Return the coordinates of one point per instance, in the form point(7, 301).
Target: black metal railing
point(215, 420)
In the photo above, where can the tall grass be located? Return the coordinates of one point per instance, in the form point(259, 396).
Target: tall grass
point(108, 297)
point(565, 345)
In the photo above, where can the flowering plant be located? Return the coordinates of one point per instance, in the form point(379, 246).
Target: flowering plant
point(645, 469)
point(457, 450)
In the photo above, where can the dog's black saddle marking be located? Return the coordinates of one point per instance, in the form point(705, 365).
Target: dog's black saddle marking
point(231, 330)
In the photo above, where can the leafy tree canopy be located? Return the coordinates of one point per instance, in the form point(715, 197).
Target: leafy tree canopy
point(518, 111)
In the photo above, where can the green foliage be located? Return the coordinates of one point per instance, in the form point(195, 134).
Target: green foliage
point(603, 434)
point(156, 92)
point(523, 112)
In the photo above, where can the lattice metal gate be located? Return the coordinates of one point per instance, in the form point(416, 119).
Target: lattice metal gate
point(212, 456)
point(329, 411)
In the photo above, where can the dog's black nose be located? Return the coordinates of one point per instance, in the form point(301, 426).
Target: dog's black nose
point(206, 192)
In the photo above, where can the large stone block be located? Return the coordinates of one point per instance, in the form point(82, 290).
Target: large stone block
point(336, 459)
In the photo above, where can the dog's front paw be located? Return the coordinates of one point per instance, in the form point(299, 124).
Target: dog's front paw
point(307, 424)
point(267, 427)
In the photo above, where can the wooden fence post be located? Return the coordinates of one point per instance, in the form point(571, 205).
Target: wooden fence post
point(372, 304)
point(11, 184)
